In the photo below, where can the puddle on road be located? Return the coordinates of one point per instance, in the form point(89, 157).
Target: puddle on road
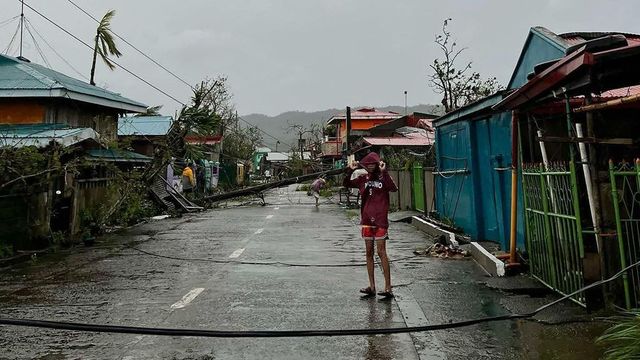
point(568, 341)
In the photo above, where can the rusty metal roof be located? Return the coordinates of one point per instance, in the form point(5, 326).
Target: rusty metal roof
point(576, 38)
point(406, 136)
point(621, 92)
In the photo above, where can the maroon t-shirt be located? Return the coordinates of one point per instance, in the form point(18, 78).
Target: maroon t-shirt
point(374, 190)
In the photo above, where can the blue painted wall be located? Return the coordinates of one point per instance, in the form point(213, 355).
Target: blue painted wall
point(478, 202)
point(455, 193)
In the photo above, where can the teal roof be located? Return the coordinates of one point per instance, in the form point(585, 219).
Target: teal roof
point(144, 125)
point(20, 78)
point(117, 155)
point(480, 107)
point(41, 135)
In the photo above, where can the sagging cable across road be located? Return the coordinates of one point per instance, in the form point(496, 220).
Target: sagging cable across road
point(269, 263)
point(73, 326)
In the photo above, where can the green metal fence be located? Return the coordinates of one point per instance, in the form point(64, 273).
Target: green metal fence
point(417, 187)
point(625, 191)
point(553, 226)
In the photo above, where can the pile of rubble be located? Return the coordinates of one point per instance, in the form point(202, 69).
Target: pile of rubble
point(446, 251)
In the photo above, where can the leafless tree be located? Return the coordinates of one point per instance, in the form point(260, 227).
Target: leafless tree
point(459, 85)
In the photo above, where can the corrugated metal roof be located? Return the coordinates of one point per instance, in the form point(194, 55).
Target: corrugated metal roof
point(262, 150)
point(116, 155)
point(280, 156)
point(277, 156)
point(25, 79)
point(366, 113)
point(398, 141)
point(622, 92)
point(41, 135)
point(479, 106)
point(409, 136)
point(144, 125)
point(576, 38)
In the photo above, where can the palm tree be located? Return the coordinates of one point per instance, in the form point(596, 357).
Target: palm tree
point(105, 44)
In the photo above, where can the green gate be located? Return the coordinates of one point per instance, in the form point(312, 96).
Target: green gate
point(417, 187)
point(625, 191)
point(553, 226)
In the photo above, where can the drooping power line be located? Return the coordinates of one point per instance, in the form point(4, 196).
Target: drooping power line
point(13, 38)
point(37, 46)
point(134, 47)
point(114, 62)
point(54, 50)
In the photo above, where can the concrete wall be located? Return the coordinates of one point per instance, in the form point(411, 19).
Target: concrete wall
point(429, 190)
point(402, 199)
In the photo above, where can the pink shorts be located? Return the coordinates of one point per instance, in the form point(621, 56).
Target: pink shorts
point(374, 232)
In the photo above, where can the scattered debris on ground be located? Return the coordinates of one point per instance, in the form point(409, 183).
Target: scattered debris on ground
point(443, 251)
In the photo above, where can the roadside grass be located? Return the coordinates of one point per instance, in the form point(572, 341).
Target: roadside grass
point(621, 340)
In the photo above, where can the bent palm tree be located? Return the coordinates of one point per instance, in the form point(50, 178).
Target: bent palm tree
point(105, 44)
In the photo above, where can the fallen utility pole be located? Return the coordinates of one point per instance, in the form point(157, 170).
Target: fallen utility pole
point(272, 185)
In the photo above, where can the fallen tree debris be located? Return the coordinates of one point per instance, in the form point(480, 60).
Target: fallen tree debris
point(446, 252)
point(254, 190)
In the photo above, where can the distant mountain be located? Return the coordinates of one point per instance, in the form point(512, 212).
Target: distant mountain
point(277, 125)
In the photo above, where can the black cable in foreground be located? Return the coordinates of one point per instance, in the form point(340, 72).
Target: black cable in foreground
point(73, 326)
point(267, 263)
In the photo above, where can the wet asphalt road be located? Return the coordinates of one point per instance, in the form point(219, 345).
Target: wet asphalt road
point(112, 284)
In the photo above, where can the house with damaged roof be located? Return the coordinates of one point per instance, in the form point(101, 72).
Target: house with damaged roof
point(524, 140)
point(66, 121)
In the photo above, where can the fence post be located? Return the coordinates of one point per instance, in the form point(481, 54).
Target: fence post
point(576, 206)
point(547, 227)
point(623, 256)
point(399, 186)
point(525, 203)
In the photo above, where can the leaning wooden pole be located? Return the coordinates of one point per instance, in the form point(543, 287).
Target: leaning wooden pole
point(272, 185)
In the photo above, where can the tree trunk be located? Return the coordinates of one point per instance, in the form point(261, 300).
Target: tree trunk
point(93, 64)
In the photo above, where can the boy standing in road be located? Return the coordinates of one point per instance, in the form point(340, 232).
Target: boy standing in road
point(374, 187)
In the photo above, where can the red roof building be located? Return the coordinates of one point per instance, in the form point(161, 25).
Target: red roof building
point(362, 120)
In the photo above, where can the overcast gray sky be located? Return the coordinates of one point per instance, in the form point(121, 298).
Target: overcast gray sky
point(308, 55)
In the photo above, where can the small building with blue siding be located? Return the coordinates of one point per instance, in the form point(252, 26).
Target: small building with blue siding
point(473, 151)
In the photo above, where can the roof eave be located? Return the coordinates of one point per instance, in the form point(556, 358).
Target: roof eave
point(545, 80)
point(113, 104)
point(64, 93)
point(467, 111)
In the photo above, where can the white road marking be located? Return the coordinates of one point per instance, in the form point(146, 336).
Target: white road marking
point(236, 253)
point(259, 231)
point(269, 216)
point(187, 298)
point(276, 208)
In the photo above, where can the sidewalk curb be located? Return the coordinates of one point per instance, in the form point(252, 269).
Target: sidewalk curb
point(485, 259)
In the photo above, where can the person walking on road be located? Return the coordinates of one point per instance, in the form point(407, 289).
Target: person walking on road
point(316, 186)
point(374, 187)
